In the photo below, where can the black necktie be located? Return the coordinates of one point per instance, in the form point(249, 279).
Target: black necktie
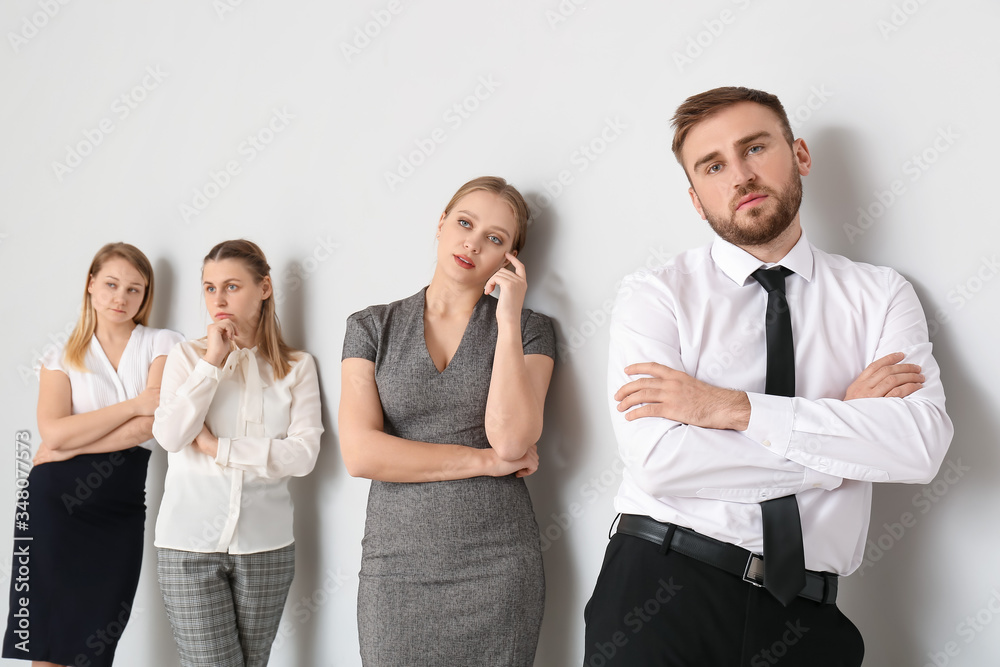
point(784, 562)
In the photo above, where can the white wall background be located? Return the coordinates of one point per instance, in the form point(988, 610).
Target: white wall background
point(873, 86)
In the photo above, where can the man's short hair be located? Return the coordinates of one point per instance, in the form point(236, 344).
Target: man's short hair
point(698, 107)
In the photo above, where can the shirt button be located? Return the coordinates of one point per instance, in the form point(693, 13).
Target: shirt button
point(766, 443)
point(816, 485)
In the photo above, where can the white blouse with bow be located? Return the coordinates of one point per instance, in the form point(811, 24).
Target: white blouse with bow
point(268, 430)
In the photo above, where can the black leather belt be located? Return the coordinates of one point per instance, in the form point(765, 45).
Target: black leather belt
point(820, 586)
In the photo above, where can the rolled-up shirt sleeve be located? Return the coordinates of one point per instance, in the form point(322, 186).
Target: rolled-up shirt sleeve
point(295, 452)
point(665, 458)
point(869, 439)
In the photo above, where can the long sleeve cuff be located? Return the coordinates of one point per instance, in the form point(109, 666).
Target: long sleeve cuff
point(208, 370)
point(770, 422)
point(771, 419)
point(222, 455)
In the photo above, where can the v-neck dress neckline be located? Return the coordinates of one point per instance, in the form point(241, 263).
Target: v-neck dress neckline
point(461, 343)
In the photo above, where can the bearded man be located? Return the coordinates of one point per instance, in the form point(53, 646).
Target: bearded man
point(758, 387)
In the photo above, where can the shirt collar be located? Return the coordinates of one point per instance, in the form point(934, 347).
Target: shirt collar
point(738, 264)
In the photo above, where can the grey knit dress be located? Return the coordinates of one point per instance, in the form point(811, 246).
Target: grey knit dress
point(451, 572)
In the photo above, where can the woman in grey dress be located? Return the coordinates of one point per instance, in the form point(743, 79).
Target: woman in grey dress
point(441, 406)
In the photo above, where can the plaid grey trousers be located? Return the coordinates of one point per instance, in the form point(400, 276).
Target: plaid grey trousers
point(225, 608)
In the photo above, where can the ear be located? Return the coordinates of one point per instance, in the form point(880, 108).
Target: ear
point(696, 202)
point(803, 161)
point(441, 223)
point(90, 285)
point(266, 288)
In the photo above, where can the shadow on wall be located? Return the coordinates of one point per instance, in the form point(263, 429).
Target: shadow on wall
point(163, 293)
point(159, 636)
point(557, 453)
point(902, 574)
point(300, 628)
point(832, 191)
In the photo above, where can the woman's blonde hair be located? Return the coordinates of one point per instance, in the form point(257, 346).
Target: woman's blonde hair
point(511, 197)
point(79, 340)
point(268, 334)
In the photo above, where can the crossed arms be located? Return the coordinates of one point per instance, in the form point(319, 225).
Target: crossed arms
point(680, 436)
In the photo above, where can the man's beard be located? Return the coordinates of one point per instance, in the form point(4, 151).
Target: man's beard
point(758, 228)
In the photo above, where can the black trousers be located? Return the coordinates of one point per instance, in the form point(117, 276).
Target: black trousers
point(652, 608)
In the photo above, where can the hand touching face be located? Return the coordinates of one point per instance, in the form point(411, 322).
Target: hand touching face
point(475, 237)
point(233, 300)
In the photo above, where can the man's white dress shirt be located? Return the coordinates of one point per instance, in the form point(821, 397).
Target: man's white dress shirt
point(702, 313)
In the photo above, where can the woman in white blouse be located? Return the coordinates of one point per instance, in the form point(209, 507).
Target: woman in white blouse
point(79, 521)
point(239, 414)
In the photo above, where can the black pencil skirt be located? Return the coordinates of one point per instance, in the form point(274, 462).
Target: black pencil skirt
point(77, 556)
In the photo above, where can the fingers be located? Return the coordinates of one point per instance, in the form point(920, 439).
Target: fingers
point(896, 369)
point(659, 375)
point(226, 329)
point(41, 456)
point(887, 360)
point(641, 411)
point(642, 394)
point(877, 370)
point(229, 329)
point(528, 463)
point(649, 368)
point(889, 384)
point(517, 264)
point(507, 279)
point(905, 390)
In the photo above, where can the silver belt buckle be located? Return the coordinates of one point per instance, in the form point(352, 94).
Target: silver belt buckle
point(754, 572)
